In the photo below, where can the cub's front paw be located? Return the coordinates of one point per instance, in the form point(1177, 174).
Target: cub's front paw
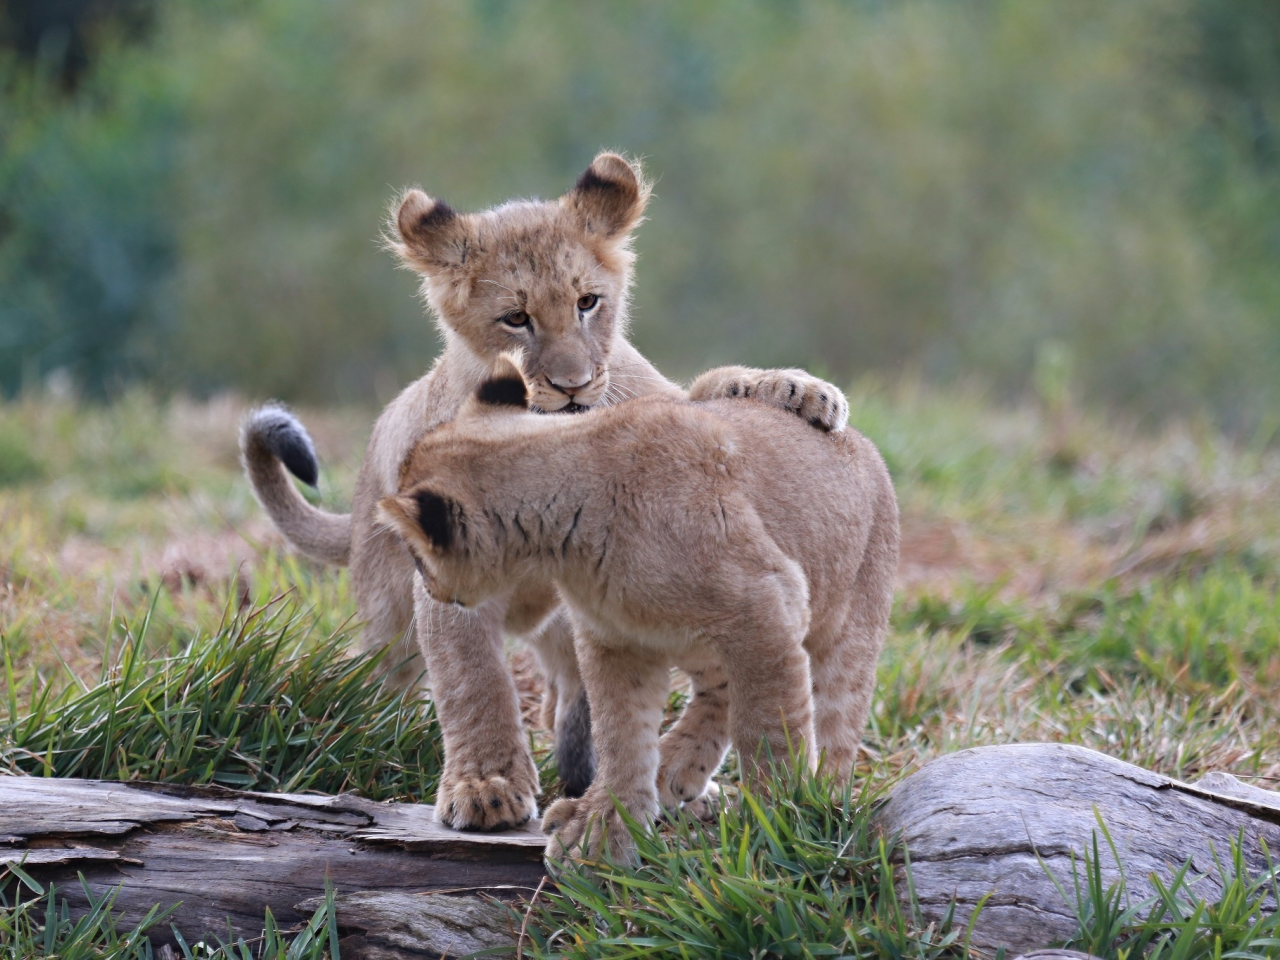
point(817, 401)
point(486, 803)
point(680, 782)
point(705, 806)
point(586, 829)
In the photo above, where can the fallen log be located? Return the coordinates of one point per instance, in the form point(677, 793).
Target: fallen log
point(991, 820)
point(999, 820)
point(224, 856)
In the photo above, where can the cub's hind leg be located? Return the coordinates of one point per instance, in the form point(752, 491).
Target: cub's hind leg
point(694, 748)
point(759, 638)
point(844, 677)
point(843, 661)
point(382, 577)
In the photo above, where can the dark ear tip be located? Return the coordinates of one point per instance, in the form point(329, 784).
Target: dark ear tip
point(504, 392)
point(434, 518)
point(616, 177)
point(610, 196)
point(419, 215)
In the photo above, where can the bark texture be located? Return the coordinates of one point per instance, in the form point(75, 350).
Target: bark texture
point(225, 856)
point(994, 819)
point(988, 820)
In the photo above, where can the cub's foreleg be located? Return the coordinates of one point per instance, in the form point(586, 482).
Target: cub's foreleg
point(627, 686)
point(692, 750)
point(489, 780)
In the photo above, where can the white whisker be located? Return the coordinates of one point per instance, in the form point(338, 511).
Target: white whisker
point(497, 284)
point(636, 376)
point(514, 297)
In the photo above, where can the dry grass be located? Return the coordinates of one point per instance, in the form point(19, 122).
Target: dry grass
point(1029, 542)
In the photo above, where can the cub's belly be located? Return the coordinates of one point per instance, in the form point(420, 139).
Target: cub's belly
point(615, 629)
point(529, 607)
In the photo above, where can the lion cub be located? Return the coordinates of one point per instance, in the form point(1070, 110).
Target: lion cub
point(723, 537)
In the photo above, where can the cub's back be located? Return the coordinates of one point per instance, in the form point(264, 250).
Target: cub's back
point(819, 494)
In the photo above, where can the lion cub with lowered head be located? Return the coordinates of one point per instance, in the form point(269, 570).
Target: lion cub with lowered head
point(751, 551)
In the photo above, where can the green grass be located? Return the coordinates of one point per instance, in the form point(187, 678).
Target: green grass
point(35, 922)
point(261, 704)
point(1064, 579)
point(799, 872)
point(1177, 922)
point(1201, 630)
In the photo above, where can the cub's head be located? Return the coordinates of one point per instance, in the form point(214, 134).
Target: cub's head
point(548, 278)
point(451, 502)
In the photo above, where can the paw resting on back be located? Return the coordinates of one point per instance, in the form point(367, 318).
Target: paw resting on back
point(817, 401)
point(486, 803)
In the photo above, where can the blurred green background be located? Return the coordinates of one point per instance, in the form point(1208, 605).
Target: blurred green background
point(1012, 191)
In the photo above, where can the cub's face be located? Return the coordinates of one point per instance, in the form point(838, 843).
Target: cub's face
point(549, 279)
point(540, 289)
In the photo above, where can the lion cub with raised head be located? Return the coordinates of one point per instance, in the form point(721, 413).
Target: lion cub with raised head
point(723, 537)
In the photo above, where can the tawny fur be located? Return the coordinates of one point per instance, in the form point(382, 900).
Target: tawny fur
point(481, 273)
point(721, 537)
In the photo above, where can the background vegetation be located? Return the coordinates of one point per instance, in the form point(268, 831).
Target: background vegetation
point(190, 192)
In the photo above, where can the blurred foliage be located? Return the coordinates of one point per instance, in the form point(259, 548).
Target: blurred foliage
point(849, 186)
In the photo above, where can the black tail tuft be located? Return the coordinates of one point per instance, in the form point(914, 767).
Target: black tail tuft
point(287, 439)
point(575, 752)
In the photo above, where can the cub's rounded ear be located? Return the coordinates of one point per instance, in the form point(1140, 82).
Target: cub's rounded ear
point(505, 386)
point(424, 519)
point(428, 235)
point(610, 196)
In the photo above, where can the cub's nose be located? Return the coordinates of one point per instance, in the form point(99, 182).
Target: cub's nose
point(571, 385)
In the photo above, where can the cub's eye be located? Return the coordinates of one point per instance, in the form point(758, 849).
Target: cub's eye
point(587, 302)
point(516, 319)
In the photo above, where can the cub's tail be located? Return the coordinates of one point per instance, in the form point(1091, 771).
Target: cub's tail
point(271, 439)
point(575, 750)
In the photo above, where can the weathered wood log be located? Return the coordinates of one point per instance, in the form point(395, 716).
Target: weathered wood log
point(383, 926)
point(995, 819)
point(224, 856)
point(989, 820)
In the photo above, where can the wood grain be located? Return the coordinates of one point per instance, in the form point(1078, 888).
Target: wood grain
point(992, 820)
point(225, 856)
